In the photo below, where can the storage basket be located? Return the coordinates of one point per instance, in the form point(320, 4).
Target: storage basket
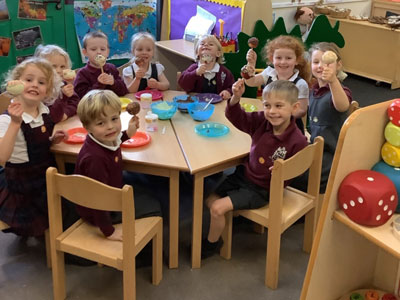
point(341, 13)
point(323, 9)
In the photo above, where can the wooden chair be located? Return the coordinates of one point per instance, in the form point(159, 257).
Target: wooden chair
point(178, 87)
point(87, 241)
point(286, 206)
point(122, 67)
point(353, 106)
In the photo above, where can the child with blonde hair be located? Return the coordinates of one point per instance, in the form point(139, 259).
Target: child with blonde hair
point(286, 53)
point(208, 75)
point(274, 135)
point(143, 73)
point(97, 74)
point(25, 138)
point(61, 61)
point(100, 157)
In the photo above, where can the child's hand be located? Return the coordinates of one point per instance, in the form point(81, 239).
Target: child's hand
point(117, 234)
point(329, 72)
point(15, 111)
point(140, 73)
point(251, 57)
point(225, 95)
point(238, 88)
point(59, 136)
point(68, 90)
point(106, 79)
point(201, 69)
point(133, 125)
point(152, 83)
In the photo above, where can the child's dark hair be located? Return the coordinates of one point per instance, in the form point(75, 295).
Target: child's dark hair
point(290, 42)
point(287, 89)
point(94, 34)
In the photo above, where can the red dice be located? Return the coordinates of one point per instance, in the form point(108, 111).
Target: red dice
point(367, 197)
point(394, 112)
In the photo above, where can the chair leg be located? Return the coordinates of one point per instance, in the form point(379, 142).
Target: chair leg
point(58, 272)
point(309, 230)
point(273, 253)
point(47, 244)
point(129, 280)
point(157, 255)
point(257, 228)
point(226, 249)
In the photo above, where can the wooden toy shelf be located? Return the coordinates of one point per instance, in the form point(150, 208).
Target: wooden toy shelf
point(347, 256)
point(382, 236)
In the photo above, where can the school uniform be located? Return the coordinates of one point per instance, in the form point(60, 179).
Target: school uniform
point(214, 81)
point(104, 163)
point(265, 148)
point(23, 199)
point(69, 104)
point(154, 71)
point(325, 121)
point(86, 80)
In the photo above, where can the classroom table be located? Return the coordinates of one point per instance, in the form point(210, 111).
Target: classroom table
point(206, 156)
point(175, 56)
point(161, 157)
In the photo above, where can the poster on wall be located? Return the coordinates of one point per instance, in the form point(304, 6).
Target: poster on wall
point(28, 37)
point(5, 43)
point(3, 10)
point(20, 59)
point(118, 19)
point(33, 10)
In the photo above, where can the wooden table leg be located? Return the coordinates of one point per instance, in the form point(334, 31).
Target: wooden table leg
point(173, 218)
point(197, 220)
point(60, 163)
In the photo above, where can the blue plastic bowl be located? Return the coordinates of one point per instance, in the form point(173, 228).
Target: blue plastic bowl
point(181, 101)
point(164, 109)
point(197, 112)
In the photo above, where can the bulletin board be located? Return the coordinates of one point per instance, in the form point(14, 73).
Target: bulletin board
point(230, 11)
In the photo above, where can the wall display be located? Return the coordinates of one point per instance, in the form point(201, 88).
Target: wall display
point(119, 20)
point(228, 11)
point(28, 37)
point(32, 10)
point(20, 59)
point(3, 10)
point(5, 43)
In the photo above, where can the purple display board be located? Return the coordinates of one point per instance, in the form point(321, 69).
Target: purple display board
point(183, 10)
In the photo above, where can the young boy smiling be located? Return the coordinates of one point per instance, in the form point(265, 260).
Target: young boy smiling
point(91, 76)
point(274, 135)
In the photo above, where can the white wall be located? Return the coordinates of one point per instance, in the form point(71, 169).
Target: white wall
point(287, 13)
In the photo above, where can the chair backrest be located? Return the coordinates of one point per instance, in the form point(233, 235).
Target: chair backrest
point(90, 193)
point(122, 67)
point(4, 101)
point(178, 87)
point(353, 106)
point(309, 158)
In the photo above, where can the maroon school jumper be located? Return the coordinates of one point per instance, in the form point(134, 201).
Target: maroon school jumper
point(191, 82)
point(265, 146)
point(104, 165)
point(86, 80)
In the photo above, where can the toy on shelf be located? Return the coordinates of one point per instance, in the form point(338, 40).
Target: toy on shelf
point(371, 294)
point(367, 197)
point(304, 16)
point(390, 151)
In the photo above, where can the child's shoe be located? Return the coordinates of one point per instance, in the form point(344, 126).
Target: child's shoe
point(209, 249)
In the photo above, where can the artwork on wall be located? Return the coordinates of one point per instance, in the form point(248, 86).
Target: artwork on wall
point(20, 59)
point(28, 37)
point(118, 19)
point(32, 10)
point(5, 43)
point(3, 10)
point(182, 10)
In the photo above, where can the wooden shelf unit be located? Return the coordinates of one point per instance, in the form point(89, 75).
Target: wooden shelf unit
point(380, 7)
point(347, 256)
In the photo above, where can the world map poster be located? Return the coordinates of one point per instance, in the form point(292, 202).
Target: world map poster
point(119, 20)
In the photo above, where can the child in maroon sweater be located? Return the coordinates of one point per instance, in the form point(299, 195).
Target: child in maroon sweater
point(274, 135)
point(95, 75)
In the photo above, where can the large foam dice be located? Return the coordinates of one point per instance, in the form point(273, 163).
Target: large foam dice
point(394, 112)
point(392, 134)
point(393, 173)
point(367, 197)
point(391, 154)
